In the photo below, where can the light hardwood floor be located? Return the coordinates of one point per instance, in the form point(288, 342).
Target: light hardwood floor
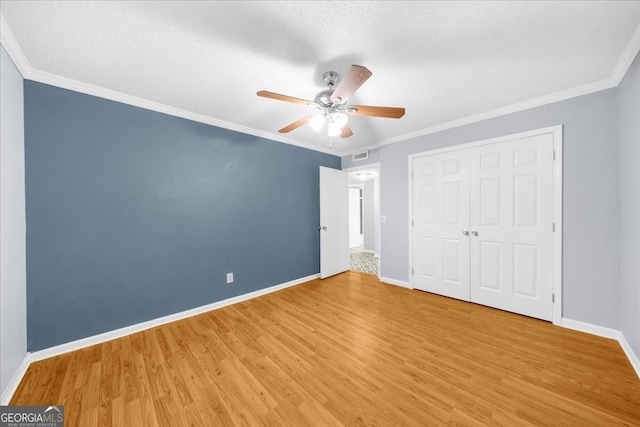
point(345, 351)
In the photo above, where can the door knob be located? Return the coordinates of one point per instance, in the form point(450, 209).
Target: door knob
point(474, 232)
point(465, 232)
point(323, 227)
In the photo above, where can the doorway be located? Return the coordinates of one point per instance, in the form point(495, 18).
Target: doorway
point(364, 219)
point(356, 237)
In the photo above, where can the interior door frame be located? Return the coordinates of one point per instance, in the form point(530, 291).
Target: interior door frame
point(359, 186)
point(377, 215)
point(557, 132)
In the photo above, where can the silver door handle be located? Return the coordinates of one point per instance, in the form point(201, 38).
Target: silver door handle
point(474, 232)
point(323, 227)
point(465, 232)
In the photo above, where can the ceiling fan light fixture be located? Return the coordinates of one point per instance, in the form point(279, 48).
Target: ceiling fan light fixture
point(334, 129)
point(332, 102)
point(340, 119)
point(316, 122)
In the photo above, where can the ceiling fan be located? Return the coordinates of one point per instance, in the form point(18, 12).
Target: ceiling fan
point(332, 103)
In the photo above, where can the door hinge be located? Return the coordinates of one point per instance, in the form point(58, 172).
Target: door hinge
point(553, 298)
point(412, 223)
point(411, 174)
point(554, 154)
point(412, 273)
point(553, 227)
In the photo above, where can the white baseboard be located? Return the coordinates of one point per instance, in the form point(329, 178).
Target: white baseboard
point(118, 333)
point(633, 358)
point(606, 333)
point(589, 328)
point(395, 282)
point(14, 382)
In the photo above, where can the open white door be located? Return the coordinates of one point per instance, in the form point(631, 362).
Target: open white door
point(334, 222)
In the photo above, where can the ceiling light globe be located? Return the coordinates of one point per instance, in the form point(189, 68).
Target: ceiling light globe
point(334, 129)
point(316, 122)
point(340, 119)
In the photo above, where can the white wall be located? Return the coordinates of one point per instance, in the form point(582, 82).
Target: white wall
point(591, 291)
point(629, 199)
point(13, 283)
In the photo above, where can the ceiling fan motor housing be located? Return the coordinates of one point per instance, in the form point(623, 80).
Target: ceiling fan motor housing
point(330, 78)
point(323, 98)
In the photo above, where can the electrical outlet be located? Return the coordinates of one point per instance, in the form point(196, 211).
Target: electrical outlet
point(229, 277)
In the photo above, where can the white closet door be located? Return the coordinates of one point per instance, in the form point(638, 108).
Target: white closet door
point(441, 214)
point(511, 225)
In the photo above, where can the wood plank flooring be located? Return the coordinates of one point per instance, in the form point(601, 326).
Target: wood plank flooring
point(345, 351)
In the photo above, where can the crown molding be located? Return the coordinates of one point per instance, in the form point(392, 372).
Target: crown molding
point(626, 59)
point(28, 72)
point(101, 92)
point(12, 47)
point(503, 111)
point(624, 62)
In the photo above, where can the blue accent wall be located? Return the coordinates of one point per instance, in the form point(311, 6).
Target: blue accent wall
point(133, 214)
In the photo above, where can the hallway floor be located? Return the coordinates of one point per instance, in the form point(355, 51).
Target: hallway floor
point(363, 261)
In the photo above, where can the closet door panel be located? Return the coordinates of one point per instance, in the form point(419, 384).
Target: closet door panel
point(511, 218)
point(483, 224)
point(440, 214)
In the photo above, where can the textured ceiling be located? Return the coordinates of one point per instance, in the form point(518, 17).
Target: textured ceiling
point(445, 62)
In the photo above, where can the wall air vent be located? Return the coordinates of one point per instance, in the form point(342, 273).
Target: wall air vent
point(361, 156)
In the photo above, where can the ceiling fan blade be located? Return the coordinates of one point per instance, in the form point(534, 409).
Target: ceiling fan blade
point(350, 82)
point(346, 131)
point(295, 125)
point(286, 98)
point(367, 110)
